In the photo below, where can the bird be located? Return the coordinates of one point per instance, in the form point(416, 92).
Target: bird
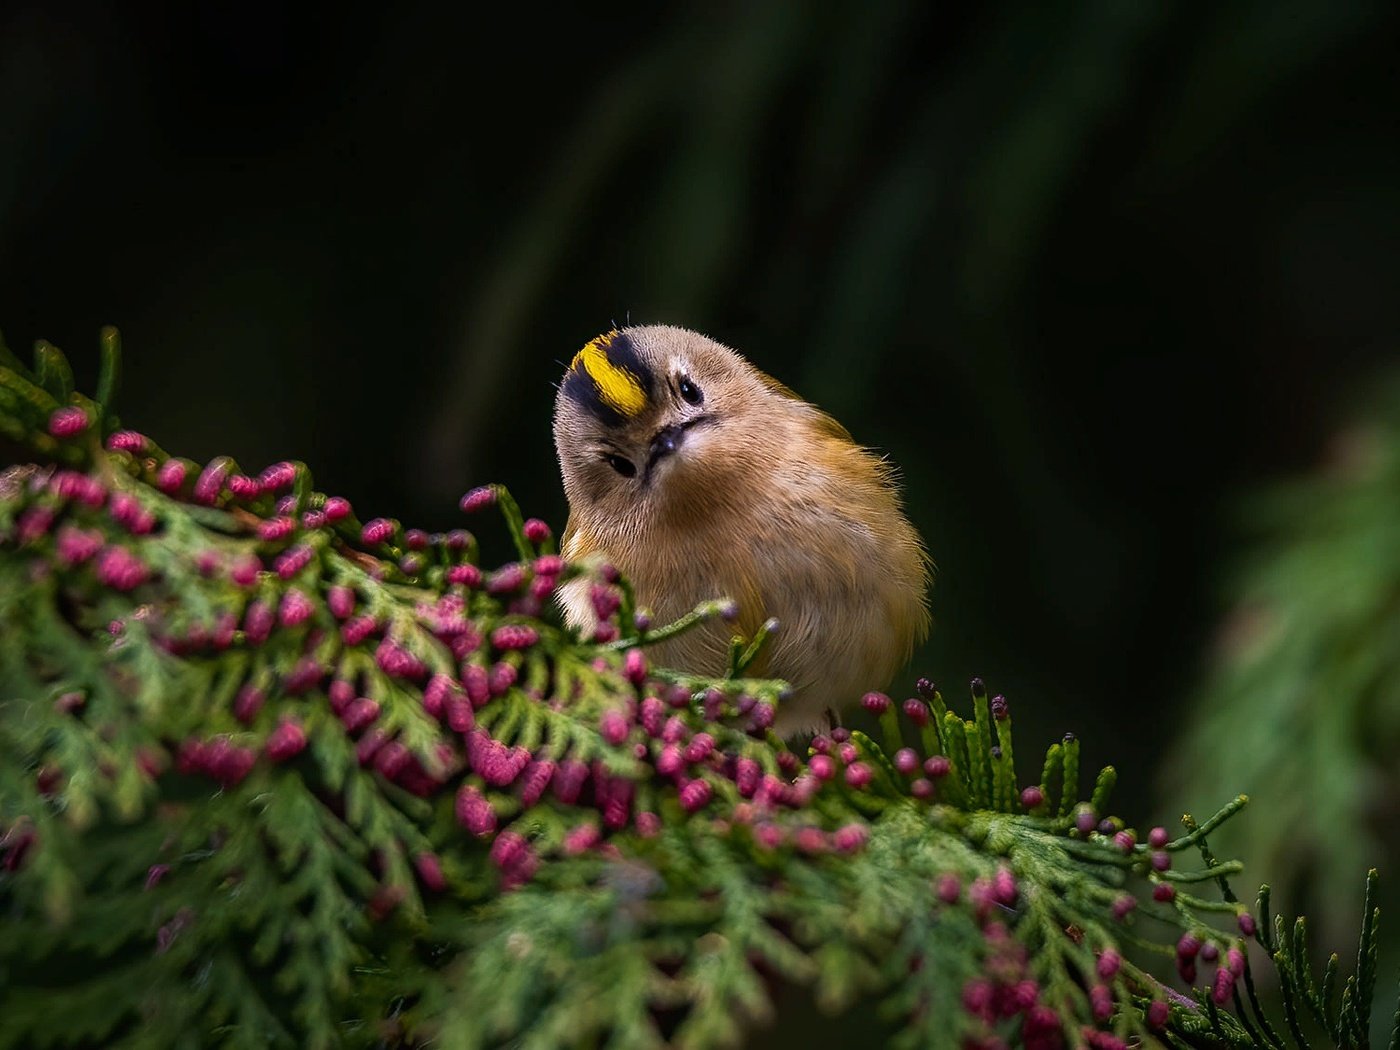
point(698, 476)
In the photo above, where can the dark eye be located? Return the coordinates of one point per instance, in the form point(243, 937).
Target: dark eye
point(690, 391)
point(622, 465)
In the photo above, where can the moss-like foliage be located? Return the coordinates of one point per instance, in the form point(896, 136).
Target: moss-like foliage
point(270, 776)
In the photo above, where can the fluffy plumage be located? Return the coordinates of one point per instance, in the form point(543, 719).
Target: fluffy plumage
point(699, 477)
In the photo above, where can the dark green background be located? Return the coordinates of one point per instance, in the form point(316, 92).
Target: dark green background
point(1085, 271)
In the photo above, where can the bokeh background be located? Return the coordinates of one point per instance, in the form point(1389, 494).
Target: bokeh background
point(1090, 274)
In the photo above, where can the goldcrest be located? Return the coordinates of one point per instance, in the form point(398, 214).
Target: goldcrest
point(700, 477)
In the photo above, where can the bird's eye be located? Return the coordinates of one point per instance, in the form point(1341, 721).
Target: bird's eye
point(690, 391)
point(622, 465)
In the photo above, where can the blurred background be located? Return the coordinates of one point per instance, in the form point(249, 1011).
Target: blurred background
point(1093, 275)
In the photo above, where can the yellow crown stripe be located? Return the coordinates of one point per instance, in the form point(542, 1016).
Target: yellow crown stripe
point(619, 388)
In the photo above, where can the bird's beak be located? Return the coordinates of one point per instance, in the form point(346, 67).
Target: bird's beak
point(665, 442)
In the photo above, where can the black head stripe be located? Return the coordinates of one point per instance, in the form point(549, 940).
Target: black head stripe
point(610, 379)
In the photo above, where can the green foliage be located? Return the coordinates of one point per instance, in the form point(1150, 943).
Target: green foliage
point(272, 777)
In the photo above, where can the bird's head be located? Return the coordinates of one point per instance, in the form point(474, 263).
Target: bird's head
point(656, 420)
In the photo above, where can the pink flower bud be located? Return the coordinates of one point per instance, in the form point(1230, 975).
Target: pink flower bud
point(763, 714)
point(1157, 838)
point(858, 774)
point(286, 741)
point(850, 838)
point(936, 767)
point(569, 780)
point(336, 509)
point(1032, 797)
point(74, 546)
point(1108, 964)
point(466, 575)
point(248, 703)
point(648, 824)
point(1101, 1002)
point(477, 498)
point(906, 760)
point(614, 727)
point(278, 476)
point(822, 767)
point(875, 703)
point(1125, 841)
point(548, 565)
point(581, 839)
point(66, 422)
point(634, 666)
point(355, 631)
point(475, 813)
point(292, 560)
point(1157, 1014)
point(377, 531)
point(669, 762)
point(534, 780)
point(1247, 925)
point(695, 794)
point(514, 636)
point(536, 531)
point(341, 601)
point(170, 478)
point(243, 487)
point(359, 713)
point(748, 774)
point(1164, 893)
point(1223, 986)
point(429, 869)
point(127, 441)
point(276, 529)
point(1123, 907)
point(121, 570)
point(210, 483)
point(244, 571)
point(699, 748)
point(296, 608)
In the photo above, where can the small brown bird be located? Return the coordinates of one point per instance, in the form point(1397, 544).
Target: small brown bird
point(701, 477)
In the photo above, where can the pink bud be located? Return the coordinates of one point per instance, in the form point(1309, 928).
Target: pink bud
point(614, 727)
point(536, 531)
point(514, 636)
point(248, 703)
point(1032, 797)
point(1108, 964)
point(850, 838)
point(336, 509)
point(377, 531)
point(276, 528)
point(581, 839)
point(244, 571)
point(466, 575)
point(1157, 1014)
point(1101, 1002)
point(66, 422)
point(634, 666)
point(127, 441)
point(1164, 893)
point(858, 774)
point(429, 869)
point(477, 498)
point(822, 767)
point(286, 741)
point(210, 483)
point(906, 760)
point(1157, 837)
point(292, 560)
point(937, 766)
point(341, 601)
point(296, 608)
point(74, 545)
point(648, 824)
point(243, 487)
point(170, 478)
point(694, 794)
point(1247, 925)
point(669, 762)
point(747, 776)
point(875, 703)
point(699, 748)
point(474, 813)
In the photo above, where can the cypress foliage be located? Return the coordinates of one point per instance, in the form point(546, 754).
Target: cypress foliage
point(273, 776)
